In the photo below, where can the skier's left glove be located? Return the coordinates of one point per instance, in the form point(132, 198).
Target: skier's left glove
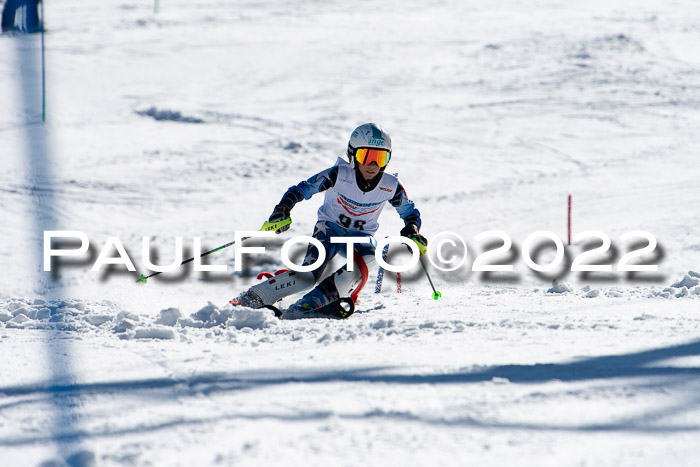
point(411, 231)
point(279, 214)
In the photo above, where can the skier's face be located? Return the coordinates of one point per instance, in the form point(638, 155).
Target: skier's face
point(368, 171)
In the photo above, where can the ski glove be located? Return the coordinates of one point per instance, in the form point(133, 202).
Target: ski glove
point(411, 231)
point(279, 214)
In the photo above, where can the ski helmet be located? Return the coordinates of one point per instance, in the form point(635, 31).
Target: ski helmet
point(369, 136)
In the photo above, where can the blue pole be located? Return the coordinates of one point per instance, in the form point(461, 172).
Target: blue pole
point(43, 68)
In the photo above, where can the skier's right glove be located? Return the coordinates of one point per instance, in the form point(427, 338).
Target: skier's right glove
point(279, 214)
point(411, 231)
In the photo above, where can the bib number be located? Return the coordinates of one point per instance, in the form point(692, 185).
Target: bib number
point(346, 222)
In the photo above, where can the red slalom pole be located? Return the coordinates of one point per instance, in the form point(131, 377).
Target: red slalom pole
point(569, 220)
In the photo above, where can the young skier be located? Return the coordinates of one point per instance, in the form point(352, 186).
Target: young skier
point(355, 194)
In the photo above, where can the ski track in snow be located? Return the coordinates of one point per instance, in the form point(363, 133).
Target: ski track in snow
point(193, 122)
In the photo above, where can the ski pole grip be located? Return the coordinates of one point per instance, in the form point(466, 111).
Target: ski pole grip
point(272, 226)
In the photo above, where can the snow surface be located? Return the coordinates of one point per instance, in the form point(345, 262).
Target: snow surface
point(193, 122)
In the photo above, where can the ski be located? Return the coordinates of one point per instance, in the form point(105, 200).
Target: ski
point(341, 309)
point(275, 310)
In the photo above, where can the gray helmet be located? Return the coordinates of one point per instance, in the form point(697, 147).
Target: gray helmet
point(368, 135)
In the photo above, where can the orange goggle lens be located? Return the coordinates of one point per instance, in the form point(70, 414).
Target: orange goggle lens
point(366, 156)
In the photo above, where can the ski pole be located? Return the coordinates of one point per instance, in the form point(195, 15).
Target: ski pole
point(267, 226)
point(436, 294)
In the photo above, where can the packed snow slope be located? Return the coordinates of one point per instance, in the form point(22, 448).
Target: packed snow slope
point(193, 121)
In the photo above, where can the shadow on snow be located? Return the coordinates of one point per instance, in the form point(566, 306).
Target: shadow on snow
point(633, 365)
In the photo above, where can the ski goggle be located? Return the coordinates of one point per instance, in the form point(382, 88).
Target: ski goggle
point(366, 156)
